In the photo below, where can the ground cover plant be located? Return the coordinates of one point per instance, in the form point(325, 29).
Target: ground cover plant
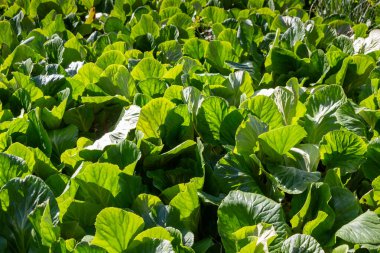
point(189, 126)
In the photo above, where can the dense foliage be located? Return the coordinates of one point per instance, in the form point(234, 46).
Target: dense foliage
point(188, 126)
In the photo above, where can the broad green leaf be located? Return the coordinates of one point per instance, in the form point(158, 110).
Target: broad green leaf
point(152, 117)
point(148, 68)
point(115, 229)
point(345, 205)
point(10, 167)
point(365, 229)
point(62, 139)
point(217, 53)
point(355, 70)
point(146, 25)
point(162, 159)
point(116, 79)
point(20, 198)
point(195, 48)
point(186, 209)
point(314, 215)
point(209, 118)
point(148, 207)
point(7, 35)
point(292, 180)
point(152, 87)
point(52, 118)
point(232, 172)
point(254, 238)
point(301, 243)
point(213, 14)
point(247, 135)
point(321, 106)
point(342, 149)
point(89, 73)
point(106, 185)
point(371, 167)
point(170, 51)
point(280, 140)
point(36, 133)
point(125, 154)
point(110, 57)
point(265, 109)
point(81, 116)
point(241, 209)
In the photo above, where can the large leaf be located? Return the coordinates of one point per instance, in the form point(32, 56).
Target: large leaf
point(148, 68)
point(152, 117)
point(321, 106)
point(209, 118)
point(292, 180)
point(115, 229)
point(342, 149)
point(217, 53)
point(301, 243)
point(365, 229)
point(241, 209)
point(20, 198)
point(265, 109)
point(10, 167)
point(280, 140)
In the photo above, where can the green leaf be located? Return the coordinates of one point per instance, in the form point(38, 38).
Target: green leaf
point(209, 118)
point(81, 116)
point(146, 25)
point(265, 109)
point(240, 209)
point(233, 173)
point(152, 117)
point(106, 185)
point(115, 228)
point(148, 207)
point(10, 167)
point(292, 180)
point(110, 57)
point(314, 215)
point(280, 140)
point(321, 106)
point(365, 229)
point(170, 51)
point(371, 167)
point(125, 154)
point(53, 118)
point(342, 149)
point(152, 87)
point(7, 36)
point(301, 243)
point(161, 159)
point(354, 72)
point(195, 48)
point(217, 53)
point(213, 14)
point(186, 209)
point(116, 79)
point(62, 139)
point(148, 68)
point(36, 133)
point(345, 205)
point(247, 135)
point(20, 198)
